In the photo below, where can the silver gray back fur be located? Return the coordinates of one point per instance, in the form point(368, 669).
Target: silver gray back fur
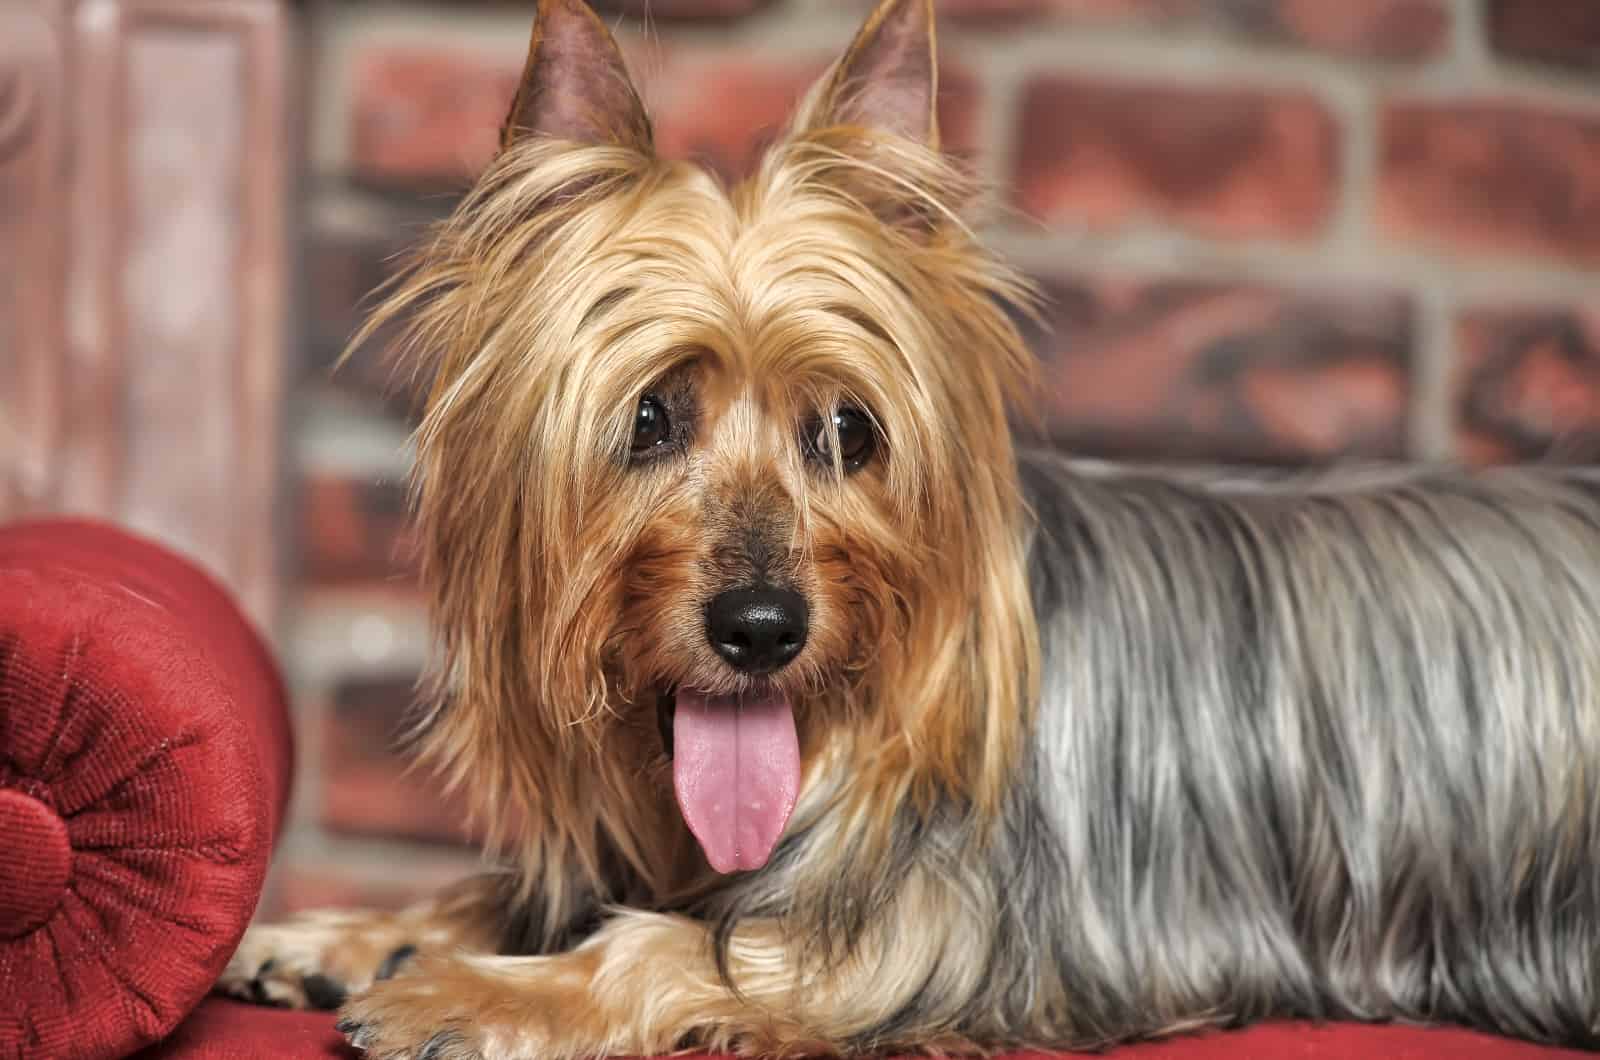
point(1327, 748)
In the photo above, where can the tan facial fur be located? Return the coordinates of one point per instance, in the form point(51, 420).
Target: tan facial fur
point(570, 583)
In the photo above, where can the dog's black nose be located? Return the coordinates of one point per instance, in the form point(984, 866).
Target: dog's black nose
point(757, 630)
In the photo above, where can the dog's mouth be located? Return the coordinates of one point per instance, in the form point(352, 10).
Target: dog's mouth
point(735, 769)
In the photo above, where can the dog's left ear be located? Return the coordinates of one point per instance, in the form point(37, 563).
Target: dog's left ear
point(888, 80)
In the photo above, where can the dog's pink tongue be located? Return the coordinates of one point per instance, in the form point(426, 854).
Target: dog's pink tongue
point(736, 768)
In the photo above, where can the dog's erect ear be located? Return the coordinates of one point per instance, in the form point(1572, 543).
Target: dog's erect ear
point(888, 80)
point(575, 85)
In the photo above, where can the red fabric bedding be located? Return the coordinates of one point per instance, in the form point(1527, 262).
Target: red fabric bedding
point(144, 769)
point(227, 1030)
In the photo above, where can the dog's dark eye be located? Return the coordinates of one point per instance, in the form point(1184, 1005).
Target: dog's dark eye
point(650, 425)
point(857, 439)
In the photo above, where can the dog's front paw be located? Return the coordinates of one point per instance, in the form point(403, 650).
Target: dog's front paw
point(316, 961)
point(418, 1018)
point(466, 1008)
point(381, 1041)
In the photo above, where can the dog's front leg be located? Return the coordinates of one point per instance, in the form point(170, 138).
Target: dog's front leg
point(319, 959)
point(644, 984)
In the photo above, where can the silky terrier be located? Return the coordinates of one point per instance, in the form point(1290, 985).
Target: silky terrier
point(809, 713)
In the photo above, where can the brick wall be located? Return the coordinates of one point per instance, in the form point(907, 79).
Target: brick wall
point(1272, 230)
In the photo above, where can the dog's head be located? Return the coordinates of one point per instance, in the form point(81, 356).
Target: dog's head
point(721, 476)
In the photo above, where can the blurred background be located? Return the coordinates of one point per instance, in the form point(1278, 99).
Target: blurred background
point(1272, 231)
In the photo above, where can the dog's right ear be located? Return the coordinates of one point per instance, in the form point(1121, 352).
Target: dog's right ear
point(575, 85)
point(888, 80)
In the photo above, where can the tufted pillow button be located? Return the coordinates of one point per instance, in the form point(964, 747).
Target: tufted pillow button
point(35, 863)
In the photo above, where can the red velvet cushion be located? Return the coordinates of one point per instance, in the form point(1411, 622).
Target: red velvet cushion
point(226, 1030)
point(144, 770)
point(221, 1029)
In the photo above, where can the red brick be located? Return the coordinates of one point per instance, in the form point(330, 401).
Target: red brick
point(425, 116)
point(1223, 161)
point(367, 788)
point(1491, 178)
point(1560, 32)
point(1527, 385)
point(725, 111)
point(1376, 29)
point(682, 10)
point(428, 118)
point(1143, 13)
point(1379, 29)
point(979, 12)
point(355, 533)
point(1189, 371)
